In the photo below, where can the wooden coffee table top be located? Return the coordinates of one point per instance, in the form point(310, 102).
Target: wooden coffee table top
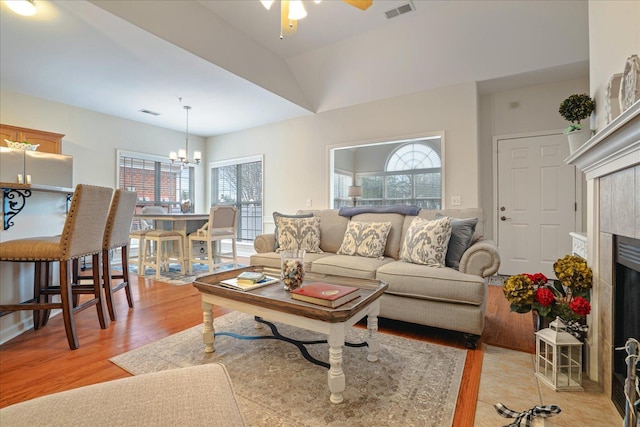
point(276, 298)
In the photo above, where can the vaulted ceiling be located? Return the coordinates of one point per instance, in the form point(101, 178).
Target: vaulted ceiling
point(225, 58)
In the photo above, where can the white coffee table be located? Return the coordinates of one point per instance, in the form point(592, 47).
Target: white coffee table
point(274, 303)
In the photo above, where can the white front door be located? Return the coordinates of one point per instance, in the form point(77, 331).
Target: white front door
point(536, 203)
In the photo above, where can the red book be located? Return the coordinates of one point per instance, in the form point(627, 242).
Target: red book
point(325, 294)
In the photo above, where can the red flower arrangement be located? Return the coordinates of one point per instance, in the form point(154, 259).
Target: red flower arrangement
point(568, 297)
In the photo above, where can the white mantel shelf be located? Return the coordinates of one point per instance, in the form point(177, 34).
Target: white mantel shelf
point(622, 148)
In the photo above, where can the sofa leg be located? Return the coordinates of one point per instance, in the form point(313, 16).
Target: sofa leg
point(471, 341)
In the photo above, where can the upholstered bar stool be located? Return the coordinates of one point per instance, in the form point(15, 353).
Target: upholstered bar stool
point(81, 236)
point(222, 225)
point(162, 240)
point(138, 235)
point(116, 236)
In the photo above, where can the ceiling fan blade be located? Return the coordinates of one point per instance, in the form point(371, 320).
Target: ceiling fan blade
point(360, 4)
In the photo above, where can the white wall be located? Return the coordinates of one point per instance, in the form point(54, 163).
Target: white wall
point(614, 35)
point(296, 151)
point(93, 138)
point(537, 110)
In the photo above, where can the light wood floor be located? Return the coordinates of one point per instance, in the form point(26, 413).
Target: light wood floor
point(39, 362)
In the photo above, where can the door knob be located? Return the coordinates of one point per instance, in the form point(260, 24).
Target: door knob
point(504, 218)
point(502, 208)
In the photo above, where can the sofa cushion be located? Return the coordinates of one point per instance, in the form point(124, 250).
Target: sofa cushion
point(426, 242)
point(461, 236)
point(332, 228)
point(394, 240)
point(438, 284)
point(298, 233)
point(367, 239)
point(272, 259)
point(277, 215)
point(349, 266)
point(458, 213)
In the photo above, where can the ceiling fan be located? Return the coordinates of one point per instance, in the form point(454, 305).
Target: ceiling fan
point(293, 10)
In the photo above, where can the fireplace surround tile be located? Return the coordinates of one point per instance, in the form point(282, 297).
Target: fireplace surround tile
point(605, 203)
point(623, 203)
point(606, 258)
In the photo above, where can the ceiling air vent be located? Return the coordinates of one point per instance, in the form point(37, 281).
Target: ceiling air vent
point(392, 13)
point(153, 113)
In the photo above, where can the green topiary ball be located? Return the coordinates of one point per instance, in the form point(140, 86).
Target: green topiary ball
point(577, 107)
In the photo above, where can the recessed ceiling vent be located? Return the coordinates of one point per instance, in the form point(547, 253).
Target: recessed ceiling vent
point(153, 113)
point(392, 13)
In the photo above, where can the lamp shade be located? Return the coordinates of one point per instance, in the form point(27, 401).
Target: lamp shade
point(22, 7)
point(355, 191)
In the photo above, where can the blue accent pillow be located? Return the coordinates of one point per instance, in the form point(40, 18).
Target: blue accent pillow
point(461, 237)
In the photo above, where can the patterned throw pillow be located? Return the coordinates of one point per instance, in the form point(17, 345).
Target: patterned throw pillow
point(366, 239)
point(426, 242)
point(277, 215)
point(298, 233)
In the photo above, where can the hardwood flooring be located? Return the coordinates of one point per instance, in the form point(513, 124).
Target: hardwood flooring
point(39, 362)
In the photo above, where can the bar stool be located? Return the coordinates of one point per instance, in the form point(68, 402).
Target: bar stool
point(116, 236)
point(222, 225)
point(139, 235)
point(162, 256)
point(81, 236)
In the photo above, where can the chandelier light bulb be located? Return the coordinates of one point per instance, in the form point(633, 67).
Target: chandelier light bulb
point(22, 7)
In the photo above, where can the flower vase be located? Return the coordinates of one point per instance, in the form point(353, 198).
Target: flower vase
point(539, 322)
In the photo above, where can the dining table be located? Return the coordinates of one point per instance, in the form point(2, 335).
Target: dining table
point(184, 223)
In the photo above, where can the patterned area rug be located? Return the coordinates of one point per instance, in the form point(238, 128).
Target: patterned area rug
point(413, 384)
point(175, 277)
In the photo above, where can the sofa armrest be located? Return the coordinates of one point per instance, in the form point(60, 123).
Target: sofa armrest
point(481, 259)
point(264, 243)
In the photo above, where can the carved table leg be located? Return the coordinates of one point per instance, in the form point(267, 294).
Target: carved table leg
point(372, 338)
point(208, 331)
point(336, 376)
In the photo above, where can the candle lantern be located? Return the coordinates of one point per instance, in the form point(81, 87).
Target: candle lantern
point(559, 358)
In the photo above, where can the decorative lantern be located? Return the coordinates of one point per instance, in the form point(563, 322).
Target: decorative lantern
point(559, 358)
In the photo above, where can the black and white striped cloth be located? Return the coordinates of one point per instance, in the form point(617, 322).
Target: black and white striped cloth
point(525, 419)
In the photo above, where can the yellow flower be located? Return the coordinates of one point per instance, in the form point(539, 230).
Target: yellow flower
point(572, 271)
point(519, 290)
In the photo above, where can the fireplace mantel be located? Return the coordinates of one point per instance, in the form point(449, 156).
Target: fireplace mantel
point(615, 147)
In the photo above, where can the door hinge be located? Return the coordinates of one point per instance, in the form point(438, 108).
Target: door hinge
point(575, 206)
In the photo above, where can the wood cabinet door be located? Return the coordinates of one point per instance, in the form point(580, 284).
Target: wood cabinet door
point(49, 142)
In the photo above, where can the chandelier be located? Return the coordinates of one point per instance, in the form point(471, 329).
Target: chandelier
point(181, 155)
point(293, 10)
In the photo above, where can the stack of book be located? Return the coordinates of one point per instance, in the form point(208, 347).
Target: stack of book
point(248, 280)
point(326, 294)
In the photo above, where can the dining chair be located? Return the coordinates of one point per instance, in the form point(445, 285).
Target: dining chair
point(222, 225)
point(139, 234)
point(82, 235)
point(116, 237)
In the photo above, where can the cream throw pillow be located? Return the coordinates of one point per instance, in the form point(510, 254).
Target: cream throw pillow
point(426, 242)
point(366, 239)
point(298, 233)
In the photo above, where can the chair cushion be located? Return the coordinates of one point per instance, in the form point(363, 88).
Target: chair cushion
point(32, 249)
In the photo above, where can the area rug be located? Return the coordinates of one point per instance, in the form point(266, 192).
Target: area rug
point(175, 277)
point(413, 383)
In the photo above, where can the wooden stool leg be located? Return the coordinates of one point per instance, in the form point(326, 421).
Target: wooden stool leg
point(97, 291)
point(125, 274)
point(235, 253)
point(47, 279)
point(37, 280)
point(181, 255)
point(160, 246)
point(67, 309)
point(106, 277)
point(141, 255)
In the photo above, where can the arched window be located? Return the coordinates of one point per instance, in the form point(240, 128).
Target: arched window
point(413, 156)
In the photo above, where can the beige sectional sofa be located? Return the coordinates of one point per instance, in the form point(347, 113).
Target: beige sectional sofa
point(445, 297)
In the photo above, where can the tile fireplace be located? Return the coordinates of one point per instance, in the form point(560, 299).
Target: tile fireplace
point(610, 162)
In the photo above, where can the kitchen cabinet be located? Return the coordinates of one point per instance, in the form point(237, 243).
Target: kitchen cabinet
point(49, 142)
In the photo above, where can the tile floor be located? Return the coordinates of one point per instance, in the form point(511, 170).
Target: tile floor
point(508, 378)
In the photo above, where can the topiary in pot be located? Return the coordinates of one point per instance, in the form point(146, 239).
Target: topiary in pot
point(576, 108)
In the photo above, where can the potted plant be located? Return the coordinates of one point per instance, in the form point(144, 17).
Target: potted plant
point(574, 109)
